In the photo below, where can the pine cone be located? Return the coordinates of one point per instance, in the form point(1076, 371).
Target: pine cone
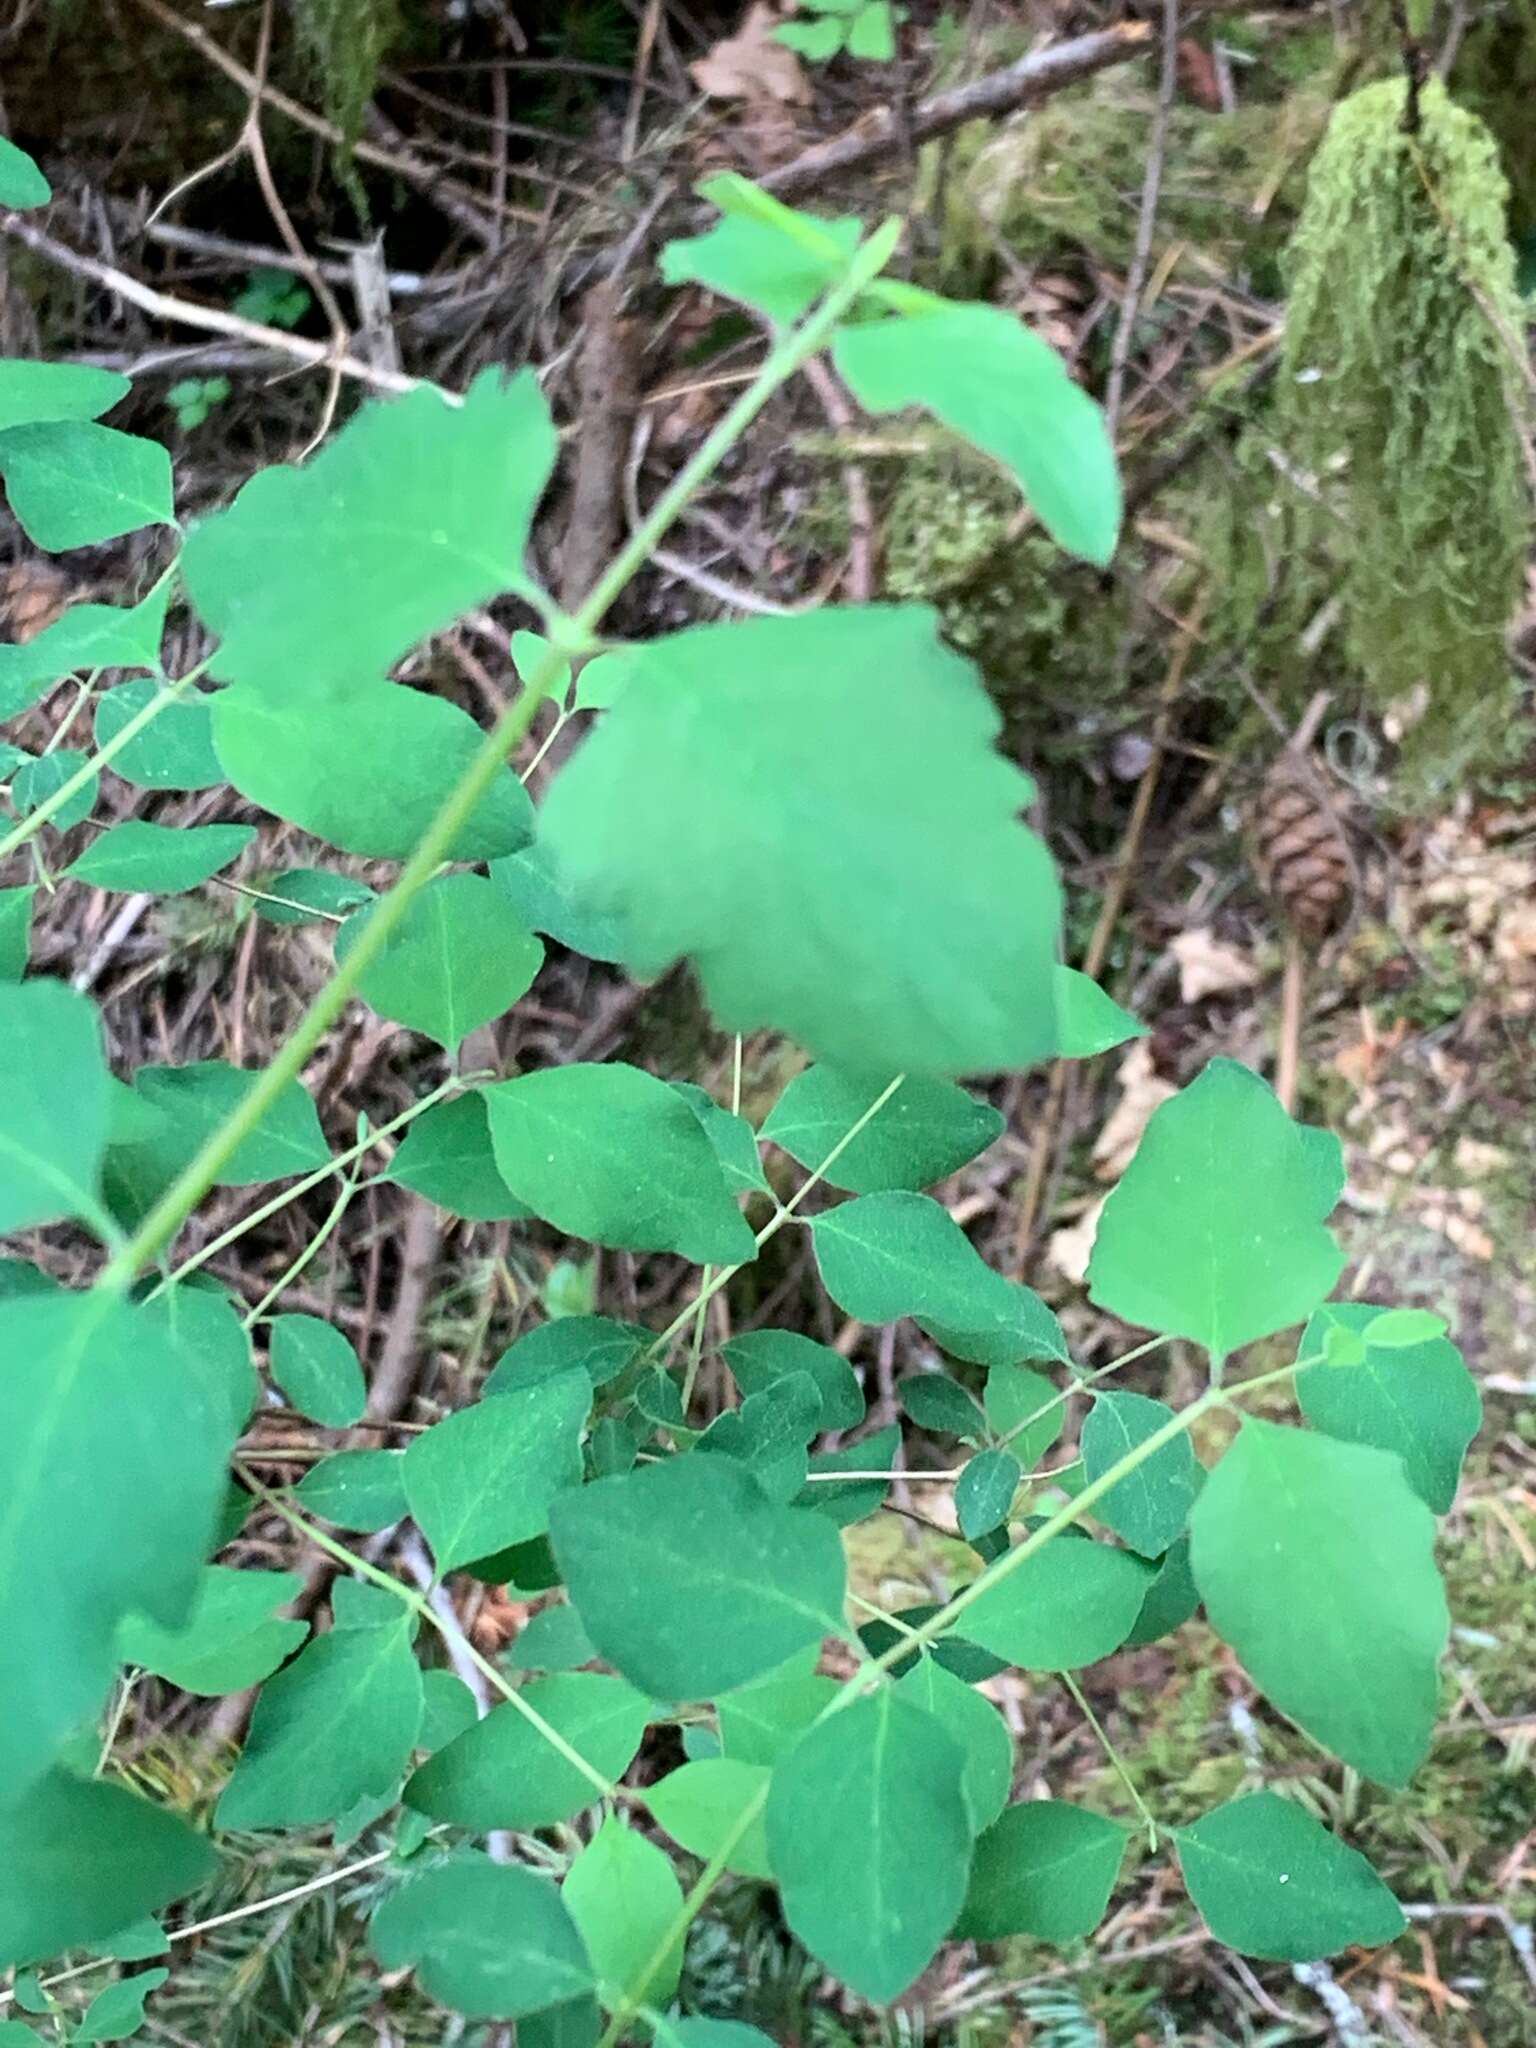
point(1302, 856)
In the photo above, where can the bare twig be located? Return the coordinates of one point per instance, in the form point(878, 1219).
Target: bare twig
point(1146, 222)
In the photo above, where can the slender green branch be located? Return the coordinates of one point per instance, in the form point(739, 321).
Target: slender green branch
point(1116, 1760)
point(309, 1251)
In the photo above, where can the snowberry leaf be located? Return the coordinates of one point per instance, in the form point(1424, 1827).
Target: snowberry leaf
point(446, 1155)
point(16, 908)
point(53, 1111)
point(984, 1493)
point(1044, 1868)
point(73, 483)
point(161, 860)
point(624, 1897)
point(1068, 1605)
point(458, 958)
point(545, 903)
point(1273, 1883)
point(355, 1489)
point(1172, 1597)
point(174, 752)
point(1025, 1409)
point(754, 260)
point(117, 2013)
point(928, 1129)
point(701, 1804)
point(483, 1478)
point(505, 1773)
point(936, 1402)
point(87, 636)
point(184, 1106)
point(1089, 1021)
point(977, 1727)
point(22, 184)
point(601, 1347)
point(732, 1139)
point(759, 1359)
point(1150, 1506)
point(318, 1370)
point(231, 1639)
point(35, 781)
point(306, 895)
point(490, 1940)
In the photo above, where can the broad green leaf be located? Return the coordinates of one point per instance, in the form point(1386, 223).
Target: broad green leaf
point(1087, 1020)
point(734, 809)
point(448, 1710)
point(505, 1773)
point(758, 1722)
point(936, 1402)
point(625, 1899)
point(35, 781)
point(360, 1603)
point(732, 1584)
point(984, 1493)
point(188, 1104)
point(72, 483)
point(769, 1433)
point(1172, 1597)
point(928, 1129)
point(578, 2023)
point(758, 265)
point(703, 1803)
point(143, 1938)
point(446, 1155)
point(659, 1398)
point(174, 752)
point(112, 1477)
point(117, 2013)
point(872, 33)
point(317, 1370)
point(732, 1138)
point(53, 1109)
point(162, 860)
point(1396, 1329)
point(602, 1348)
point(16, 907)
point(672, 2033)
point(1315, 1561)
point(458, 959)
point(355, 1489)
point(986, 376)
point(814, 40)
point(231, 1639)
point(1151, 1505)
point(844, 1501)
point(979, 1731)
point(1416, 1398)
point(1215, 1231)
point(18, 1278)
point(1026, 1410)
point(1272, 1882)
point(552, 1640)
point(305, 895)
point(759, 1359)
point(541, 898)
point(1045, 1869)
point(336, 1726)
point(87, 636)
point(490, 1940)
point(415, 512)
point(1068, 1605)
point(213, 1336)
point(869, 1836)
point(367, 769)
point(483, 1479)
point(22, 184)
point(82, 1858)
point(612, 1154)
point(898, 1254)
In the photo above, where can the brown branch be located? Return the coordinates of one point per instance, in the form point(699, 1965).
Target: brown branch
point(1146, 220)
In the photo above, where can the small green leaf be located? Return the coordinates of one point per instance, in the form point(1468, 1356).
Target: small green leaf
point(963, 1659)
point(1151, 1505)
point(161, 860)
point(355, 1489)
point(1068, 1605)
point(446, 1155)
point(701, 1804)
point(483, 1479)
point(490, 1940)
point(35, 781)
point(175, 752)
point(869, 1836)
point(335, 1726)
point(1414, 1397)
point(448, 1709)
point(978, 1729)
point(187, 1104)
point(1026, 1409)
point(231, 1639)
point(505, 1773)
point(545, 903)
point(936, 1402)
point(1172, 1597)
point(872, 33)
point(458, 959)
point(672, 2033)
point(1272, 1882)
point(928, 1129)
point(1045, 1869)
point(82, 1858)
point(733, 1584)
point(22, 184)
point(53, 1110)
point(769, 1432)
point(612, 1154)
point(317, 1370)
point(552, 1640)
point(1215, 1231)
point(732, 1138)
point(602, 1348)
point(985, 375)
point(851, 1500)
point(87, 636)
point(16, 906)
point(1087, 1020)
point(755, 262)
point(1315, 1561)
point(117, 2013)
point(758, 1722)
point(624, 1897)
point(759, 1359)
point(1395, 1329)
point(307, 894)
point(816, 41)
point(72, 483)
point(984, 1493)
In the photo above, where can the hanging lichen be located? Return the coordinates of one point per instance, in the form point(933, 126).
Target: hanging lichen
point(345, 42)
point(1392, 460)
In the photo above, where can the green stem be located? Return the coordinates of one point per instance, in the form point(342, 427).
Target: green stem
point(286, 1278)
point(189, 1187)
point(1115, 1758)
point(1083, 1380)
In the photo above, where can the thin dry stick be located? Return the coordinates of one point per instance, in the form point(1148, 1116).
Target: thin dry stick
point(1146, 224)
point(1288, 1054)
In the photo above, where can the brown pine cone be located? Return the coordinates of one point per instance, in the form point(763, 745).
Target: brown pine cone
point(1301, 854)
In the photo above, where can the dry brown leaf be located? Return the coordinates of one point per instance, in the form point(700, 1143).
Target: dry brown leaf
point(1209, 967)
point(1362, 1062)
point(750, 65)
point(1070, 1248)
point(1143, 1091)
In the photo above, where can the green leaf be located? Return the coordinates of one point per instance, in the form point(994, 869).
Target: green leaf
point(446, 1155)
point(1172, 1597)
point(117, 2013)
point(1151, 1505)
point(448, 1709)
point(1315, 1561)
point(1045, 1869)
point(733, 1584)
point(1215, 1231)
point(870, 1838)
point(814, 40)
point(458, 959)
point(758, 1722)
point(625, 1898)
point(367, 769)
point(1026, 1409)
point(672, 2033)
point(87, 636)
point(733, 808)
point(143, 1938)
point(552, 1640)
point(483, 1479)
point(504, 1772)
point(545, 904)
point(872, 33)
point(988, 378)
point(938, 1403)
point(162, 860)
point(112, 1474)
point(601, 1347)
point(317, 1370)
point(978, 1729)
point(732, 1139)
point(928, 1129)
point(355, 1489)
point(175, 752)
point(1068, 1605)
point(360, 1603)
point(82, 1858)
point(211, 1333)
point(72, 483)
point(1272, 1882)
point(1089, 1021)
point(490, 1940)
point(984, 1493)
point(22, 184)
point(757, 264)
point(415, 512)
point(35, 781)
point(191, 1102)
point(335, 1726)
point(847, 1501)
point(769, 1432)
point(612, 1154)
point(897, 1254)
point(231, 1638)
point(760, 1359)
point(53, 1110)
point(702, 1804)
point(1415, 1398)
point(16, 907)
point(308, 894)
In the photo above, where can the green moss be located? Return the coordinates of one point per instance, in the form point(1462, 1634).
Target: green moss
point(345, 41)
